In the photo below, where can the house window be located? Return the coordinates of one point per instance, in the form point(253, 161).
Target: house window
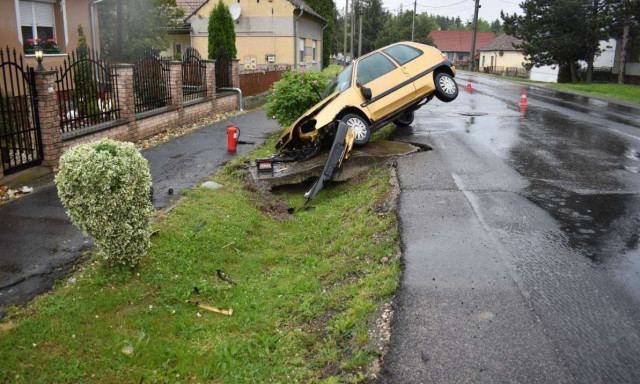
point(301, 50)
point(313, 46)
point(37, 25)
point(177, 49)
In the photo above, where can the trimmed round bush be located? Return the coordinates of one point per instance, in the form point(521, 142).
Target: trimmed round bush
point(290, 97)
point(104, 185)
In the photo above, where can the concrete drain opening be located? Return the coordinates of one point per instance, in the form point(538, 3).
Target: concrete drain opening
point(360, 160)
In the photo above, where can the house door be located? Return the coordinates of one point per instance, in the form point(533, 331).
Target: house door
point(20, 141)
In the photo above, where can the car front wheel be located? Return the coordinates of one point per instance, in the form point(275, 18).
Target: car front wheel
point(446, 87)
point(360, 128)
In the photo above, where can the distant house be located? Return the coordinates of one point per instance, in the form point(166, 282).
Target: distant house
point(457, 44)
point(501, 53)
point(53, 22)
point(268, 33)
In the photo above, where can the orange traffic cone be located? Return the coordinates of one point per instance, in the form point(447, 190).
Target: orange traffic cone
point(523, 98)
point(469, 85)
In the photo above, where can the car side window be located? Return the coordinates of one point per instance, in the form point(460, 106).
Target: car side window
point(403, 53)
point(372, 67)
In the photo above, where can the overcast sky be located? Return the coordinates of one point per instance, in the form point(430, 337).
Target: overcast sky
point(489, 10)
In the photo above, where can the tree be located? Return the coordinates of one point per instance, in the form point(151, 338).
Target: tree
point(496, 27)
point(144, 26)
point(222, 35)
point(625, 27)
point(554, 32)
point(326, 9)
point(373, 17)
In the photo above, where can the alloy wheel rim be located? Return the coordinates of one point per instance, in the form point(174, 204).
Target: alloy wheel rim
point(358, 127)
point(447, 85)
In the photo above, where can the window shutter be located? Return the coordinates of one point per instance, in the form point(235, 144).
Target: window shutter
point(25, 13)
point(43, 12)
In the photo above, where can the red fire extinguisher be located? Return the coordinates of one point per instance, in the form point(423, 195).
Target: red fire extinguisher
point(232, 137)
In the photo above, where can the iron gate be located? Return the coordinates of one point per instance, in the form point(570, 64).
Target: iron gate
point(20, 140)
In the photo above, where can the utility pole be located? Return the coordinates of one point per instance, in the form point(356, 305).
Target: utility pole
point(472, 67)
point(360, 37)
point(119, 41)
point(413, 23)
point(344, 44)
point(353, 28)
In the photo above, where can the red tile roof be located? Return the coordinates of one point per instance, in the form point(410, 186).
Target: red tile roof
point(459, 41)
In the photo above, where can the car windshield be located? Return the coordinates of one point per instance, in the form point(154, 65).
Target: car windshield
point(340, 83)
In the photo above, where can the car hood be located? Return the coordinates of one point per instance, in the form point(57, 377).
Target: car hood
point(286, 136)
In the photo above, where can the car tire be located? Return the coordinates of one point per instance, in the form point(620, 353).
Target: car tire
point(360, 128)
point(446, 87)
point(404, 120)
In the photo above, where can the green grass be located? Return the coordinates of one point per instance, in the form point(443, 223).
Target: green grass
point(624, 92)
point(309, 284)
point(332, 70)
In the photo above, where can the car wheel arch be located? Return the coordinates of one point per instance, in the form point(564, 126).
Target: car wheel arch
point(353, 110)
point(443, 68)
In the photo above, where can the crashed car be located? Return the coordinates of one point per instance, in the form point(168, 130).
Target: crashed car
point(386, 85)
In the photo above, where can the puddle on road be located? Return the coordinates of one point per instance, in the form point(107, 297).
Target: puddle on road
point(602, 227)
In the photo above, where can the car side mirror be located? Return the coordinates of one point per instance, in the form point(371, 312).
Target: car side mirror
point(366, 92)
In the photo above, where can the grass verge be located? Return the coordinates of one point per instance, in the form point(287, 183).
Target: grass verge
point(624, 92)
point(308, 287)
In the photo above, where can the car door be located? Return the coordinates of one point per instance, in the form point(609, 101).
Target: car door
point(390, 85)
point(417, 64)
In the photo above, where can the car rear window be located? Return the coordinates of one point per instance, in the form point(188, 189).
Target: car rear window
point(372, 67)
point(403, 53)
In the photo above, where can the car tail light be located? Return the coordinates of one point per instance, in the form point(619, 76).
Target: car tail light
point(444, 56)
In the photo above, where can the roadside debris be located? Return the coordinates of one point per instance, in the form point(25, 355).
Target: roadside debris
point(228, 312)
point(200, 226)
point(222, 276)
point(7, 194)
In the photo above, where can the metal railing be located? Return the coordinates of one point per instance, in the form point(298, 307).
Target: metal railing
point(151, 82)
point(223, 70)
point(20, 139)
point(516, 72)
point(87, 92)
point(194, 74)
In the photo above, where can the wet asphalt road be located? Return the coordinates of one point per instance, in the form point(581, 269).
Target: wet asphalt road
point(520, 235)
point(40, 245)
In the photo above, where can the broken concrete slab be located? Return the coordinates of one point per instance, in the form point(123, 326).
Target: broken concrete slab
point(360, 160)
point(211, 185)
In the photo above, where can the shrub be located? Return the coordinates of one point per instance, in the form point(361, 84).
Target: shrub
point(290, 97)
point(104, 185)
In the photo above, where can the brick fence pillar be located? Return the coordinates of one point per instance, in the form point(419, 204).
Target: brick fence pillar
point(48, 111)
point(176, 83)
point(235, 73)
point(210, 81)
point(126, 97)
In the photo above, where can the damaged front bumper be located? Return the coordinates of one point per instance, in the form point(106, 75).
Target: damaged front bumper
point(341, 146)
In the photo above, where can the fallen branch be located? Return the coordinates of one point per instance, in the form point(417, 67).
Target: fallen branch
point(225, 278)
point(227, 312)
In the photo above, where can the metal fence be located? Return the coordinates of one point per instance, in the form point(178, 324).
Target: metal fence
point(253, 83)
point(194, 74)
point(224, 76)
point(516, 72)
point(495, 70)
point(151, 82)
point(20, 140)
point(87, 91)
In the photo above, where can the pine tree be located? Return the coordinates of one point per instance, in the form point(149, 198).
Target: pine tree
point(222, 35)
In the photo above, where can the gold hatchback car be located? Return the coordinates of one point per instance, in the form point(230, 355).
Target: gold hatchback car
point(386, 85)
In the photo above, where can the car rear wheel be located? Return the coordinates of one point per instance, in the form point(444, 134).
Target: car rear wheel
point(404, 120)
point(446, 87)
point(360, 128)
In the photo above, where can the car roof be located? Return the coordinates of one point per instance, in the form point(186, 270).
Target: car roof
point(409, 43)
